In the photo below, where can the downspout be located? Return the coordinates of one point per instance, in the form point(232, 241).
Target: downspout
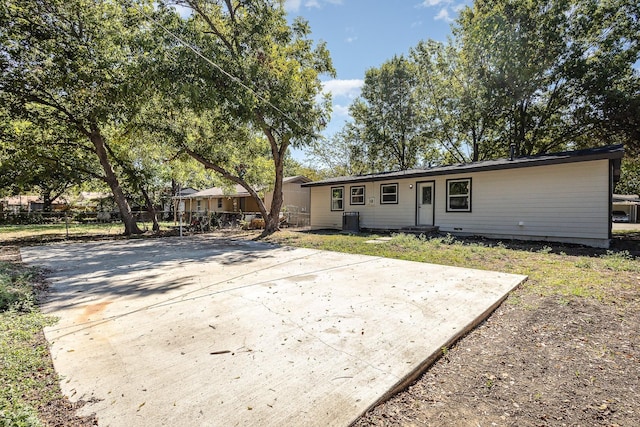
point(611, 167)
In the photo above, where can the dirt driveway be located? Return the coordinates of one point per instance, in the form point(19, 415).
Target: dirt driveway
point(209, 331)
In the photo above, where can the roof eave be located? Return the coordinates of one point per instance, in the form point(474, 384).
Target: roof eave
point(614, 153)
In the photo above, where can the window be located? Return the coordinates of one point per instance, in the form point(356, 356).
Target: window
point(427, 194)
point(459, 195)
point(337, 198)
point(199, 205)
point(219, 203)
point(388, 193)
point(357, 195)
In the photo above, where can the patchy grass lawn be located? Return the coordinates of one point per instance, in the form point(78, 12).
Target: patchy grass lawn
point(563, 349)
point(42, 233)
point(559, 271)
point(30, 394)
point(26, 372)
point(538, 359)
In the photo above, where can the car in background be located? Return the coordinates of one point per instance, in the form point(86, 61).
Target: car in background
point(619, 216)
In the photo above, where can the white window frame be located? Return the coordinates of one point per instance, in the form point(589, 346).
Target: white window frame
point(361, 195)
point(394, 193)
point(466, 195)
point(340, 199)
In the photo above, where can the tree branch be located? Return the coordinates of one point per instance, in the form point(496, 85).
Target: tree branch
point(56, 106)
point(214, 29)
point(228, 175)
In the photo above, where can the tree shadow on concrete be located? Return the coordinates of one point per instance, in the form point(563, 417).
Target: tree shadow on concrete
point(81, 273)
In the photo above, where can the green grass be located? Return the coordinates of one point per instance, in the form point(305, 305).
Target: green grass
point(26, 372)
point(28, 381)
point(605, 277)
point(45, 232)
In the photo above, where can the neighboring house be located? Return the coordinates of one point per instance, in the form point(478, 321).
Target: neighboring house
point(237, 199)
point(26, 203)
point(217, 199)
point(627, 203)
point(295, 198)
point(85, 200)
point(15, 204)
point(91, 201)
point(564, 197)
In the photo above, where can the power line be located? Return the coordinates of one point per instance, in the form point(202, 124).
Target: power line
point(223, 71)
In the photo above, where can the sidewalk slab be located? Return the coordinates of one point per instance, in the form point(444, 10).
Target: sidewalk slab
point(205, 331)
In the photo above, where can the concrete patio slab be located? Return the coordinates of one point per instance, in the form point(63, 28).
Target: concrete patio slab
point(208, 331)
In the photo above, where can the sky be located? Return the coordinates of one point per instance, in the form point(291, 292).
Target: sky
point(362, 34)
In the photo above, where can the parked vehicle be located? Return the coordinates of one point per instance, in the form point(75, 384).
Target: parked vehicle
point(619, 216)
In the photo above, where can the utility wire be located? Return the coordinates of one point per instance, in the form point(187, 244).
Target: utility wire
point(223, 71)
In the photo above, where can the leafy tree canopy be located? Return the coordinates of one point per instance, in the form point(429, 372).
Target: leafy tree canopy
point(541, 75)
point(249, 82)
point(40, 159)
point(82, 63)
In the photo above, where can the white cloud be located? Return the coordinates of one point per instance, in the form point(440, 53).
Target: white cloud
point(350, 39)
point(349, 88)
point(339, 111)
point(431, 3)
point(443, 15)
point(458, 8)
point(447, 8)
point(292, 5)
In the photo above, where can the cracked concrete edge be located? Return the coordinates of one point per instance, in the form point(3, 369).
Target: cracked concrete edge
point(416, 373)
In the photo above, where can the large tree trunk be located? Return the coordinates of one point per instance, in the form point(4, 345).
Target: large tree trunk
point(46, 200)
point(151, 210)
point(130, 225)
point(272, 221)
point(277, 191)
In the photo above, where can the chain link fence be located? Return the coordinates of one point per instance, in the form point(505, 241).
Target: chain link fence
point(200, 221)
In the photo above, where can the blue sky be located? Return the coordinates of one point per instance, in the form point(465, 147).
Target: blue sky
point(361, 34)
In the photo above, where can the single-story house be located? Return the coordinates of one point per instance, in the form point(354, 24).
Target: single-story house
point(21, 202)
point(627, 203)
point(563, 197)
point(218, 199)
point(29, 203)
point(237, 199)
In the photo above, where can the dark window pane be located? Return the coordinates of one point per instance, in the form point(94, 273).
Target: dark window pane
point(426, 195)
point(459, 202)
point(461, 187)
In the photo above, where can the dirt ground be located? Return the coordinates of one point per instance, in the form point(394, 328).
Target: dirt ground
point(59, 412)
point(536, 361)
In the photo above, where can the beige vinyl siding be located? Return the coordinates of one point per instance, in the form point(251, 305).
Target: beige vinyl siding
point(565, 202)
point(372, 213)
point(568, 200)
point(294, 197)
point(321, 214)
point(392, 216)
point(227, 205)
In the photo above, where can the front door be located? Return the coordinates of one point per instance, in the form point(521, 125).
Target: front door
point(425, 203)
